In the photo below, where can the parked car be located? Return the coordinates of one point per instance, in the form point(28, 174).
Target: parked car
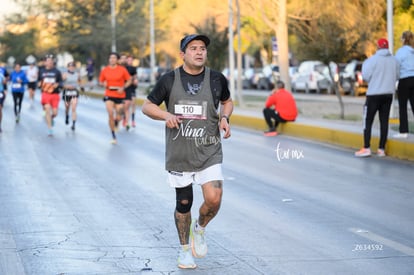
point(267, 79)
point(312, 75)
point(160, 71)
point(250, 78)
point(247, 77)
point(292, 71)
point(351, 79)
point(226, 73)
point(144, 74)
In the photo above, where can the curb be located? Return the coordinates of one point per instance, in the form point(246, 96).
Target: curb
point(395, 148)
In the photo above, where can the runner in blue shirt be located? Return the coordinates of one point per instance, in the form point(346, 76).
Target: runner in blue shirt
point(18, 81)
point(3, 93)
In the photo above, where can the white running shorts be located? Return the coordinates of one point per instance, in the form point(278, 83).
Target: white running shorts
point(183, 179)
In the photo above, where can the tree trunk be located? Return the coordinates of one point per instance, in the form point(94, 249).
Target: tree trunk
point(333, 70)
point(283, 47)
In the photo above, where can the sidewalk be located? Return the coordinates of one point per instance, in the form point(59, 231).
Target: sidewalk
point(312, 123)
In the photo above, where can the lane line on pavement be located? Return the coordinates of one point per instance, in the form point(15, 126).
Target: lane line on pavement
point(381, 240)
point(10, 261)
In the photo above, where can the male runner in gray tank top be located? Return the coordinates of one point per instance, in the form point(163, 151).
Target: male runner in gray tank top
point(192, 94)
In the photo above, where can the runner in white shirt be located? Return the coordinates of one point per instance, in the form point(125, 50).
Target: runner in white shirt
point(32, 74)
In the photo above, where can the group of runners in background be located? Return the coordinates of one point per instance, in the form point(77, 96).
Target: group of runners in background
point(119, 79)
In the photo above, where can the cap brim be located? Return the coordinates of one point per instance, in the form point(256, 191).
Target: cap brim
point(190, 38)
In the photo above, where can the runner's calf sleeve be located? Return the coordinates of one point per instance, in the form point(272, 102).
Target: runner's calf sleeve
point(184, 197)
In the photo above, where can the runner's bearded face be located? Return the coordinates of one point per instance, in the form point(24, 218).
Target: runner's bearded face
point(123, 60)
point(130, 60)
point(195, 55)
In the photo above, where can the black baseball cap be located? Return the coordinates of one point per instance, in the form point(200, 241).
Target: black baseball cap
point(188, 38)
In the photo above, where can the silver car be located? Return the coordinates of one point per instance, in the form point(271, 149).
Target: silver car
point(312, 76)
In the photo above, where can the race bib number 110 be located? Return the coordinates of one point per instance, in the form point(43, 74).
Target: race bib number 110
point(190, 111)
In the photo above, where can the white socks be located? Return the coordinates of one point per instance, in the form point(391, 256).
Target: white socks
point(198, 227)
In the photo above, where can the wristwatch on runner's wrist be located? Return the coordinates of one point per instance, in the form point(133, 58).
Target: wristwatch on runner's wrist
point(226, 117)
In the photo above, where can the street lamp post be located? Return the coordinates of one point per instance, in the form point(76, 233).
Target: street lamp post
point(152, 43)
point(113, 25)
point(390, 32)
point(231, 49)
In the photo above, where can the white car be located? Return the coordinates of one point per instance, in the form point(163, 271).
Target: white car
point(311, 76)
point(144, 74)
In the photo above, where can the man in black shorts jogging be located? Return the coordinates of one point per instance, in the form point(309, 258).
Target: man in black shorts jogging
point(129, 91)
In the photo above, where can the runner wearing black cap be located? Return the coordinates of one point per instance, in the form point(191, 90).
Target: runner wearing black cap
point(192, 94)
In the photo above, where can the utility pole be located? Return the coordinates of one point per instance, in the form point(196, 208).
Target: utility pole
point(231, 49)
point(113, 25)
point(390, 32)
point(239, 60)
point(283, 47)
point(152, 43)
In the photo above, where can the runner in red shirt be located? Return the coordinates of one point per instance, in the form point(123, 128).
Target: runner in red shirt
point(281, 107)
point(115, 78)
point(50, 82)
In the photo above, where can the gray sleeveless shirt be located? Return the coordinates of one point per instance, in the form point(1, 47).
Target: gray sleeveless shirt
point(196, 145)
point(72, 79)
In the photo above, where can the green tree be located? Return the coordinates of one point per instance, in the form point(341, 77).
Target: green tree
point(218, 50)
point(330, 35)
point(327, 30)
point(26, 32)
point(338, 30)
point(84, 27)
point(17, 45)
point(403, 19)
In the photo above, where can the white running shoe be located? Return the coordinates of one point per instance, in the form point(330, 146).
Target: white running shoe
point(185, 259)
point(401, 135)
point(198, 242)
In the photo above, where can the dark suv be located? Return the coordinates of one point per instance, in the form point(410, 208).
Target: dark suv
point(351, 79)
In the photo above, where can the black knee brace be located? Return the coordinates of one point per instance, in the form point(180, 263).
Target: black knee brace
point(184, 197)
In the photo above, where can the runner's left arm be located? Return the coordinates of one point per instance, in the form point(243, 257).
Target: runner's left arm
point(225, 112)
point(59, 79)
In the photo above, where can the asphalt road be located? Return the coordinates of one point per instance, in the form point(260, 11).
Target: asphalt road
point(75, 204)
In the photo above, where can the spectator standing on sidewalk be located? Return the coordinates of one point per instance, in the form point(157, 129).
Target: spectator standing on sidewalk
point(280, 107)
point(381, 71)
point(192, 94)
point(405, 57)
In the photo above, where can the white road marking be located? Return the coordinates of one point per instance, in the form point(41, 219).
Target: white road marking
point(10, 261)
point(381, 240)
